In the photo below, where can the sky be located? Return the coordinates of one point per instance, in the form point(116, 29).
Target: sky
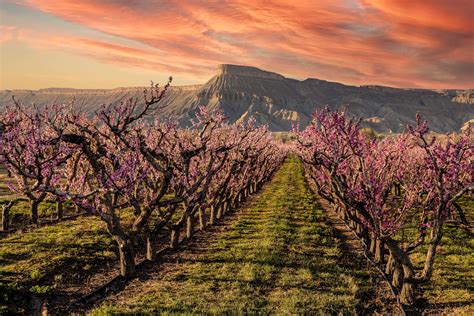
point(119, 43)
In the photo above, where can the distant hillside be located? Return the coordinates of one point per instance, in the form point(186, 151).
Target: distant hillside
point(242, 91)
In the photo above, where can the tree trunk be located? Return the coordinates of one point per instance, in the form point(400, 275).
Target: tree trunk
point(397, 276)
point(461, 213)
point(344, 215)
point(372, 245)
point(174, 242)
point(225, 207)
point(5, 217)
point(213, 215)
point(189, 226)
point(337, 210)
point(379, 251)
point(59, 209)
point(359, 230)
point(407, 294)
point(435, 238)
point(366, 235)
point(127, 258)
point(352, 224)
point(150, 248)
point(34, 211)
point(234, 202)
point(202, 219)
point(390, 265)
point(219, 210)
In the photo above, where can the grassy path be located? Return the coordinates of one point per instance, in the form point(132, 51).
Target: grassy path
point(278, 257)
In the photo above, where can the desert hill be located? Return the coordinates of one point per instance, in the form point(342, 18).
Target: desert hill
point(242, 91)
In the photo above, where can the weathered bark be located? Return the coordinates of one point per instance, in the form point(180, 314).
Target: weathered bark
point(359, 229)
point(59, 209)
point(151, 248)
point(365, 235)
point(379, 251)
point(352, 224)
point(461, 213)
point(225, 207)
point(213, 215)
point(234, 202)
point(5, 217)
point(174, 242)
point(189, 226)
point(390, 264)
point(219, 211)
point(127, 257)
point(202, 219)
point(338, 211)
point(407, 294)
point(435, 238)
point(6, 213)
point(397, 276)
point(372, 245)
point(344, 215)
point(34, 211)
point(125, 244)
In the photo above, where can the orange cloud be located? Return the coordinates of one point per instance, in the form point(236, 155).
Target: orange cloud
point(392, 42)
point(7, 33)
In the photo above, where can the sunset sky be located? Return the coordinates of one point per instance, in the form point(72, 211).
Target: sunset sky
point(116, 43)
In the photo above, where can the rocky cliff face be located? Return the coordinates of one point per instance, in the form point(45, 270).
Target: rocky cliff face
point(242, 91)
point(466, 96)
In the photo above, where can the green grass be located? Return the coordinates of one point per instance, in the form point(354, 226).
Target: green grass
point(34, 262)
point(279, 257)
point(452, 284)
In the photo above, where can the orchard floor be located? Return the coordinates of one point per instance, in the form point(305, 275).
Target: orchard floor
point(277, 256)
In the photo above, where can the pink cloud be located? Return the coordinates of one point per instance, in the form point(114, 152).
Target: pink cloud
point(393, 42)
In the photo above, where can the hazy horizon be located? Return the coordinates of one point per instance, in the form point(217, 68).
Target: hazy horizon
point(204, 82)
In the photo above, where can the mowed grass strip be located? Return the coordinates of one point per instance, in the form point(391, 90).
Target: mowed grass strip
point(279, 257)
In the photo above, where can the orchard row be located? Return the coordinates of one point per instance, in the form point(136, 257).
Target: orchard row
point(382, 187)
point(124, 160)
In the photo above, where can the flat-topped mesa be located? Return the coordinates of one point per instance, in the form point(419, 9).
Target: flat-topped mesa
point(73, 91)
point(246, 71)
